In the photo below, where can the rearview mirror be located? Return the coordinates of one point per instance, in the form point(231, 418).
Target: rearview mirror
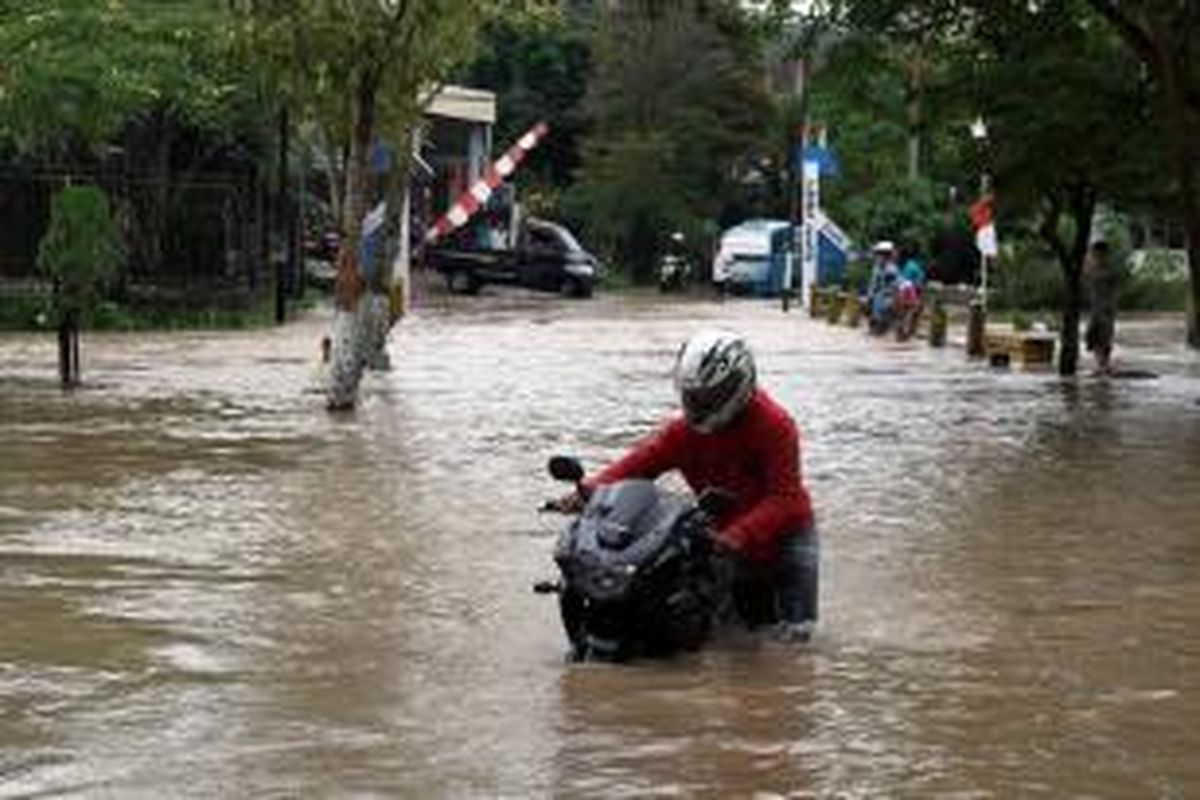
point(566, 468)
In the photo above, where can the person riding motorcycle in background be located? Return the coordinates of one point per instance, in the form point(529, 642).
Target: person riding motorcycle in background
point(732, 436)
point(674, 268)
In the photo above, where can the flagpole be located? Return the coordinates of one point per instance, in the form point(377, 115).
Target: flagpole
point(979, 132)
point(984, 253)
point(983, 281)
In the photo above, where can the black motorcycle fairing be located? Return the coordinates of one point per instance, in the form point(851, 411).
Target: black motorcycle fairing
point(637, 577)
point(622, 528)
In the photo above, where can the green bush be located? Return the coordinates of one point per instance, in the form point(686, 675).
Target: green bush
point(20, 312)
point(1026, 280)
point(901, 210)
point(1157, 283)
point(190, 319)
point(1022, 321)
point(33, 311)
point(82, 249)
point(108, 315)
point(858, 275)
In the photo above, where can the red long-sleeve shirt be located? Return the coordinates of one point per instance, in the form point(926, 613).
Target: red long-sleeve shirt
point(756, 459)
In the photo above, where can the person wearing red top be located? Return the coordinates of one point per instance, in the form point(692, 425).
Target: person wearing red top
point(733, 437)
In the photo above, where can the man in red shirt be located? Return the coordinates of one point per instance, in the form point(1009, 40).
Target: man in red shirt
point(732, 436)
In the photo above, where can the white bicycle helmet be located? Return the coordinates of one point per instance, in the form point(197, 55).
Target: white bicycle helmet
point(715, 376)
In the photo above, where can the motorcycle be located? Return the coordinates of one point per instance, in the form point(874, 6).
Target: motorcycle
point(674, 273)
point(674, 268)
point(638, 573)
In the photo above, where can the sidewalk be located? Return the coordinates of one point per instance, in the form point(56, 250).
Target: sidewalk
point(1145, 342)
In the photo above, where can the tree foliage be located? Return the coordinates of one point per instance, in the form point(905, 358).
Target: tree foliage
point(76, 72)
point(675, 103)
point(884, 91)
point(536, 59)
point(357, 71)
point(82, 247)
point(360, 73)
point(1162, 35)
point(1068, 114)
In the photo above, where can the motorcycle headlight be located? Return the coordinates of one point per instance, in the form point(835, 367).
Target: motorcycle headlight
point(612, 581)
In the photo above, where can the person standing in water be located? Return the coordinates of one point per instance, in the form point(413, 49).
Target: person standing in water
point(1103, 283)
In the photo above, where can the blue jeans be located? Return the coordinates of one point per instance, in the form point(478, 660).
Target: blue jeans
point(785, 590)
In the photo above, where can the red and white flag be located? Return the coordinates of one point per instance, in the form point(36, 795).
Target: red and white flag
point(477, 196)
point(982, 211)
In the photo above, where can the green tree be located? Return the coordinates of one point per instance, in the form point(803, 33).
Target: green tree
point(91, 82)
point(912, 43)
point(676, 103)
point(860, 97)
point(537, 63)
point(360, 72)
point(1162, 35)
point(1066, 111)
point(883, 91)
point(903, 209)
point(79, 253)
point(1057, 152)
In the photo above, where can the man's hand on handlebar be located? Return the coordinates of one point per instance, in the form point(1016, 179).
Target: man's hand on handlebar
point(726, 546)
point(570, 503)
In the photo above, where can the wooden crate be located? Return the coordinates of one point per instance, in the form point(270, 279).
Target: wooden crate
point(1020, 347)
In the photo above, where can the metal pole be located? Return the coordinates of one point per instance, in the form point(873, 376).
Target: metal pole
point(983, 258)
point(799, 212)
point(983, 287)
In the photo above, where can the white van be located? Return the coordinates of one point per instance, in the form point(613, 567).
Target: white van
point(744, 257)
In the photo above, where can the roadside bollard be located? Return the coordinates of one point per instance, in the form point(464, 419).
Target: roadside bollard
point(852, 309)
point(814, 301)
point(937, 325)
point(833, 308)
point(976, 322)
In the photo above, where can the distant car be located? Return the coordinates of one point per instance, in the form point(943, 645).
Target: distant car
point(546, 257)
point(749, 255)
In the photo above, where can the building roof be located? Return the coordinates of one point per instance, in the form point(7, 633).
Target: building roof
point(463, 103)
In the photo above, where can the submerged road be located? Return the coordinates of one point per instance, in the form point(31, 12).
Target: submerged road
point(209, 587)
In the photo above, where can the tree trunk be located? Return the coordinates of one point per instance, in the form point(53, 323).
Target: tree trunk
point(1183, 123)
point(156, 218)
point(1192, 221)
point(1068, 356)
point(1183, 131)
point(1153, 33)
point(351, 314)
point(283, 263)
point(389, 289)
point(64, 353)
point(1193, 311)
point(1187, 151)
point(1081, 199)
point(68, 350)
point(76, 366)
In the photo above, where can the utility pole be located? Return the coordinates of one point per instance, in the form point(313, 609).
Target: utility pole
point(803, 49)
point(798, 146)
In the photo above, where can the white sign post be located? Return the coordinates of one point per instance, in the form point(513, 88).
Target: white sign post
point(808, 234)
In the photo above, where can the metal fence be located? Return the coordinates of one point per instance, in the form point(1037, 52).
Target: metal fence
point(201, 240)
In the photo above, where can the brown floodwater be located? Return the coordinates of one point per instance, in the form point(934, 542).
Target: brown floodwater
point(210, 587)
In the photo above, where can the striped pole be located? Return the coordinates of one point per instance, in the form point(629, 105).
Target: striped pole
point(478, 195)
